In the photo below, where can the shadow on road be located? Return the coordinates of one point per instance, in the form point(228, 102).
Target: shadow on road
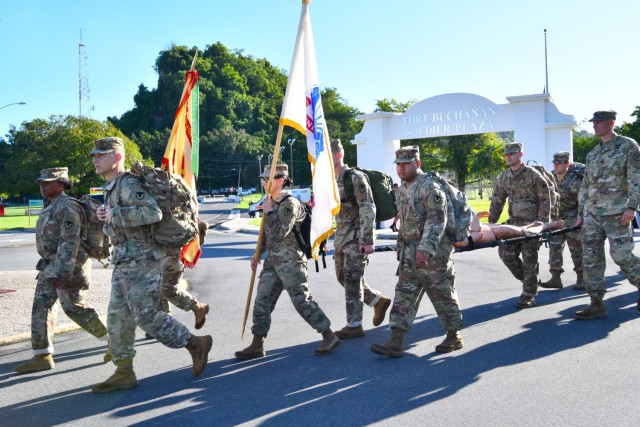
point(291, 386)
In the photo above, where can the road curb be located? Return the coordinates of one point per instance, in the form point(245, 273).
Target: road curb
point(17, 339)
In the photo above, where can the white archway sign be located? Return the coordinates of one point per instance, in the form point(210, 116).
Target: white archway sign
point(535, 120)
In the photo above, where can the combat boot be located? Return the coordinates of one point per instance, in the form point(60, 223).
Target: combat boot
point(201, 311)
point(199, 348)
point(380, 310)
point(107, 355)
point(554, 283)
point(348, 332)
point(39, 362)
point(393, 346)
point(452, 342)
point(123, 379)
point(526, 302)
point(329, 343)
point(579, 282)
point(254, 351)
point(595, 310)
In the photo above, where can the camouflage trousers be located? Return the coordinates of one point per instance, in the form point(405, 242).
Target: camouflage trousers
point(174, 286)
point(350, 266)
point(44, 314)
point(595, 230)
point(525, 269)
point(135, 298)
point(290, 275)
point(556, 248)
point(437, 280)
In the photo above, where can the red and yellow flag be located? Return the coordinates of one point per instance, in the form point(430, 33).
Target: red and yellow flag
point(181, 155)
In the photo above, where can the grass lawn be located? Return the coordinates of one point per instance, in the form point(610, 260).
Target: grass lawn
point(245, 201)
point(23, 221)
point(483, 205)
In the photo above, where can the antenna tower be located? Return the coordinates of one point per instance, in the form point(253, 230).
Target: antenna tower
point(84, 92)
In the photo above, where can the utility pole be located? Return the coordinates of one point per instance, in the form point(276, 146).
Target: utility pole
point(546, 67)
point(84, 92)
point(259, 172)
point(291, 141)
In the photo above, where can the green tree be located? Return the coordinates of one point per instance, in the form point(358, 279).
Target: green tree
point(466, 157)
point(57, 141)
point(240, 102)
point(583, 142)
point(341, 122)
point(632, 130)
point(392, 105)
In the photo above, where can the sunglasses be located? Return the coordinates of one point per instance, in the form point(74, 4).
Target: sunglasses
point(274, 177)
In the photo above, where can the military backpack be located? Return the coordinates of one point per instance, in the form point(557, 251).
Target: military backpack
point(458, 209)
point(578, 169)
point(384, 196)
point(94, 241)
point(554, 194)
point(303, 235)
point(177, 201)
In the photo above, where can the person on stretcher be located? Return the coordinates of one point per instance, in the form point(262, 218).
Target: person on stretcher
point(487, 233)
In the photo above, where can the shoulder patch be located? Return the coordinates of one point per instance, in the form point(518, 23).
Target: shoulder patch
point(139, 195)
point(68, 224)
point(437, 198)
point(362, 188)
point(288, 211)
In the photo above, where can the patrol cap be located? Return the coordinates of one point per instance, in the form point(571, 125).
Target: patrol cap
point(512, 147)
point(336, 145)
point(561, 157)
point(281, 170)
point(53, 174)
point(407, 154)
point(603, 115)
point(107, 145)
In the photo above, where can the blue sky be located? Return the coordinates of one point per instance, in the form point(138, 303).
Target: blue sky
point(366, 49)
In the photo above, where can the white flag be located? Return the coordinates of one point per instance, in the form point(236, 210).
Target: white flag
point(302, 110)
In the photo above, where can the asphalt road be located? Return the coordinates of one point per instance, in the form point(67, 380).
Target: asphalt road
point(535, 367)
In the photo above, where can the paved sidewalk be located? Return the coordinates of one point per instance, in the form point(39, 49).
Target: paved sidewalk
point(16, 300)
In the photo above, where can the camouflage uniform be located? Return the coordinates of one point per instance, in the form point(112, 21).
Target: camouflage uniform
point(529, 201)
point(58, 236)
point(437, 279)
point(568, 188)
point(354, 227)
point(285, 268)
point(137, 276)
point(611, 184)
point(174, 286)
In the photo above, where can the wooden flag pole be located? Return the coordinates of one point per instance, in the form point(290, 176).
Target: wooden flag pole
point(193, 63)
point(276, 153)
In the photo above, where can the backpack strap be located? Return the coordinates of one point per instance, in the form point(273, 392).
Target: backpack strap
point(84, 234)
point(417, 207)
point(296, 230)
point(347, 181)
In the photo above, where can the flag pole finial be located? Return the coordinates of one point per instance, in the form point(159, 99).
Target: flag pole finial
point(193, 63)
point(306, 1)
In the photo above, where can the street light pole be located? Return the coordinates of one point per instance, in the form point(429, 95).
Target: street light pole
point(291, 141)
point(13, 103)
point(259, 172)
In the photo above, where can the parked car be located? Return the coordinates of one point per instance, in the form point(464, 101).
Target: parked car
point(255, 209)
